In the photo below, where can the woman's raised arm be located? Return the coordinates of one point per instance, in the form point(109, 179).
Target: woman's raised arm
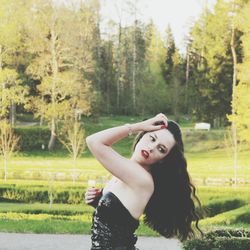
point(126, 170)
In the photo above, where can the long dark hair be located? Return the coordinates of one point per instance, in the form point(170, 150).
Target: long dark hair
point(171, 209)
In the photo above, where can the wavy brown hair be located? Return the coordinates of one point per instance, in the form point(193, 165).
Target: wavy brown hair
point(171, 209)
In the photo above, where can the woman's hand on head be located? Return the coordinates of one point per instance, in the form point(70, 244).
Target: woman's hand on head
point(149, 125)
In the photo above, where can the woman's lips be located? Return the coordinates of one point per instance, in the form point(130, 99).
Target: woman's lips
point(145, 154)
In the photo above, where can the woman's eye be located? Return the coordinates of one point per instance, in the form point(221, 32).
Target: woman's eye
point(161, 150)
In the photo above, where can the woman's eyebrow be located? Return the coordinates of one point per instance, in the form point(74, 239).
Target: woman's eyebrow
point(161, 144)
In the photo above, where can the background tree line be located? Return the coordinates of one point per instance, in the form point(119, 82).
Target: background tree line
point(56, 62)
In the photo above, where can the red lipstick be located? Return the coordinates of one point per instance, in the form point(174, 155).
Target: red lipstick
point(145, 154)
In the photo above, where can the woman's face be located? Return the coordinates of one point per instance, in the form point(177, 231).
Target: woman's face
point(153, 147)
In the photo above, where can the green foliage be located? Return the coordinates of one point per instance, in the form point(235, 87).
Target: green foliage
point(73, 138)
point(152, 86)
point(222, 205)
point(171, 48)
point(42, 208)
point(34, 138)
point(11, 90)
point(60, 62)
point(228, 218)
point(218, 243)
point(229, 233)
point(41, 194)
point(212, 63)
point(241, 104)
point(59, 52)
point(210, 194)
point(221, 240)
point(243, 218)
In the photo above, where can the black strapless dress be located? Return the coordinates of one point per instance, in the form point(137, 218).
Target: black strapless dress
point(113, 226)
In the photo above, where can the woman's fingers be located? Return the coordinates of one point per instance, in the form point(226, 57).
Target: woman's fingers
point(89, 201)
point(157, 127)
point(158, 118)
point(162, 117)
point(91, 194)
point(92, 191)
point(89, 198)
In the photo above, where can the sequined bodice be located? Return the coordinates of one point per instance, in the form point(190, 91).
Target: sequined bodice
point(113, 226)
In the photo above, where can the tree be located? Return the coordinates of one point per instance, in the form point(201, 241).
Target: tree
point(170, 47)
point(12, 91)
point(62, 59)
point(105, 73)
point(8, 143)
point(174, 75)
point(176, 85)
point(153, 95)
point(211, 59)
point(235, 6)
point(73, 138)
point(241, 104)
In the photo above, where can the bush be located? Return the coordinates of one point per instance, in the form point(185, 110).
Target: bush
point(223, 205)
point(229, 233)
point(32, 138)
point(232, 244)
point(245, 218)
point(221, 240)
point(227, 218)
point(41, 194)
point(219, 244)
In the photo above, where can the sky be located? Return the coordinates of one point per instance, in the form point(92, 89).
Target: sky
point(180, 14)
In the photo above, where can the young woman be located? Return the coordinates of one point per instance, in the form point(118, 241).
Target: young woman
point(154, 182)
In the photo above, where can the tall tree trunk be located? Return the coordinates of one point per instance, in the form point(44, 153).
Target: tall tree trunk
point(109, 82)
point(52, 135)
point(13, 114)
point(54, 79)
point(186, 81)
point(1, 61)
point(42, 116)
point(134, 69)
point(5, 169)
point(234, 128)
point(119, 69)
point(41, 121)
point(1, 68)
point(176, 93)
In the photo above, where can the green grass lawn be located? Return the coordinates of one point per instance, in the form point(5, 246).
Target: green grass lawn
point(206, 152)
point(211, 163)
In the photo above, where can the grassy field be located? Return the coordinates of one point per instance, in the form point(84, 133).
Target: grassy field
point(207, 152)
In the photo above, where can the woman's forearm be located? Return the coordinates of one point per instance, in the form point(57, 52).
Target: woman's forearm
point(112, 135)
